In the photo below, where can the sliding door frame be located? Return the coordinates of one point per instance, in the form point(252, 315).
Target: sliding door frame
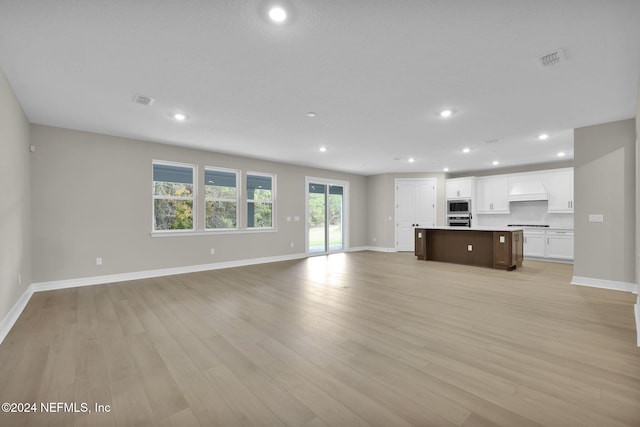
point(345, 213)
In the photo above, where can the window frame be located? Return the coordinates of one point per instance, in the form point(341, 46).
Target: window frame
point(238, 199)
point(247, 201)
point(193, 198)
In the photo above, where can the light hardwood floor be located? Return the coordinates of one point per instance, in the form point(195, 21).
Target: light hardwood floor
point(346, 340)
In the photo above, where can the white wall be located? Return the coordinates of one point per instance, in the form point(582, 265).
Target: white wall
point(604, 183)
point(15, 212)
point(92, 198)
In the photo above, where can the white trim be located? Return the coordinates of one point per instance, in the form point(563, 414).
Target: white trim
point(345, 211)
point(605, 284)
point(237, 200)
point(358, 249)
point(636, 308)
point(194, 202)
point(374, 249)
point(274, 195)
point(12, 316)
point(545, 259)
point(122, 277)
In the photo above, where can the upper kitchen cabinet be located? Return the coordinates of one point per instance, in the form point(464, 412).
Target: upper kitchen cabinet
point(561, 190)
point(492, 195)
point(460, 188)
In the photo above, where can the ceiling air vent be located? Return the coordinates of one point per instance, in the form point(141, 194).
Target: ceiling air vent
point(551, 58)
point(142, 100)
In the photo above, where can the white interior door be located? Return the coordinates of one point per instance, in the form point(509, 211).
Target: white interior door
point(415, 207)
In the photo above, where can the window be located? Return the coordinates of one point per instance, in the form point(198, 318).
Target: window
point(260, 199)
point(173, 196)
point(221, 199)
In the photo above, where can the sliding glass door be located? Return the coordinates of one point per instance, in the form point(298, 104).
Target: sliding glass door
point(325, 216)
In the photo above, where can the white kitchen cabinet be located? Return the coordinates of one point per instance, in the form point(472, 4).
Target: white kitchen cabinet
point(559, 244)
point(548, 244)
point(460, 188)
point(492, 195)
point(561, 191)
point(534, 243)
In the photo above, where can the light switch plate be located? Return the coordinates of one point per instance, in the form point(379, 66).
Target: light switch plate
point(469, 248)
point(502, 239)
point(596, 218)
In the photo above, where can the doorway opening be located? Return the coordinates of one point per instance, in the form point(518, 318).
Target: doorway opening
point(326, 215)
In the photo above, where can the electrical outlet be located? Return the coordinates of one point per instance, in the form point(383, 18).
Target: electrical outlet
point(292, 245)
point(596, 218)
point(213, 251)
point(98, 261)
point(469, 248)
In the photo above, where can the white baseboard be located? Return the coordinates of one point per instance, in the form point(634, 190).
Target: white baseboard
point(605, 284)
point(12, 316)
point(636, 308)
point(123, 277)
point(377, 249)
point(614, 285)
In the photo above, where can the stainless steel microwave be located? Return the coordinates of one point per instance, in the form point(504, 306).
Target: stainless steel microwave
point(459, 207)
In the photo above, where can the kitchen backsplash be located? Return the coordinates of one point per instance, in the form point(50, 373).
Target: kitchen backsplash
point(534, 213)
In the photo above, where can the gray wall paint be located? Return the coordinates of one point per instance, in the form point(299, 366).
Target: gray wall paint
point(92, 198)
point(604, 183)
point(638, 195)
point(15, 213)
point(381, 206)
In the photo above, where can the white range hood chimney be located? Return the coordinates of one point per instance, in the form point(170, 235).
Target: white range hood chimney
point(528, 191)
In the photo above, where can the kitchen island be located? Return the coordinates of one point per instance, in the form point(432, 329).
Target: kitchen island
point(492, 247)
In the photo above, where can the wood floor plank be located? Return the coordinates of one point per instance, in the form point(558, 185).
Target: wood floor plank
point(245, 405)
point(326, 407)
point(163, 393)
point(361, 338)
point(285, 406)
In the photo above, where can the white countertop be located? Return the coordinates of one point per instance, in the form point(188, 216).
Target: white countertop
point(476, 228)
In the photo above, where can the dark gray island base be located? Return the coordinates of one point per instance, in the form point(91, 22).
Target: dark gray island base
point(483, 247)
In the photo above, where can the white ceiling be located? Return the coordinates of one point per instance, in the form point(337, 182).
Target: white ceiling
point(376, 73)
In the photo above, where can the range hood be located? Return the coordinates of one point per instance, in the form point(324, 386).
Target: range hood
point(528, 191)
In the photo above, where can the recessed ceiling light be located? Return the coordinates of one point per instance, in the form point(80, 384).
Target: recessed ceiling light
point(543, 136)
point(311, 114)
point(446, 169)
point(179, 116)
point(278, 14)
point(323, 149)
point(466, 150)
point(495, 163)
point(411, 160)
point(562, 154)
point(446, 113)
